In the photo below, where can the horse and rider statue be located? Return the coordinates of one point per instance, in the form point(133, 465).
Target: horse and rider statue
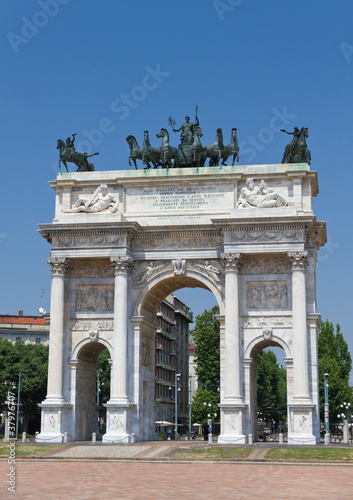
point(297, 151)
point(190, 152)
point(68, 153)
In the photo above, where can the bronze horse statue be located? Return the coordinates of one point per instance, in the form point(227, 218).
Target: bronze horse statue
point(297, 151)
point(70, 155)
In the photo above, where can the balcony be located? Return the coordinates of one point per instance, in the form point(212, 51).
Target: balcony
point(166, 318)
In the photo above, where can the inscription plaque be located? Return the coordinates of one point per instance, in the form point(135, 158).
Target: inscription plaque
point(201, 198)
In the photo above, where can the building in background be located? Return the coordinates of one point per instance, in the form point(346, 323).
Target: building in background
point(172, 341)
point(194, 383)
point(27, 329)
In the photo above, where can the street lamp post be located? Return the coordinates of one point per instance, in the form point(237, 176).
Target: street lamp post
point(190, 426)
point(327, 414)
point(346, 413)
point(18, 403)
point(100, 370)
point(177, 375)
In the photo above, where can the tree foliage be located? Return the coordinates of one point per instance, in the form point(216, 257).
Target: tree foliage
point(104, 376)
point(207, 352)
point(334, 359)
point(271, 387)
point(200, 410)
point(206, 335)
point(32, 361)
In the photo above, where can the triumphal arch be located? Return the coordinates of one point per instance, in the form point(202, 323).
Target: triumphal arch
point(121, 241)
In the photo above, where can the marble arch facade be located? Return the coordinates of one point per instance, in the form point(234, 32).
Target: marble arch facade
point(116, 256)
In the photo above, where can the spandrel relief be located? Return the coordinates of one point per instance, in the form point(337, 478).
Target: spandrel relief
point(95, 298)
point(267, 294)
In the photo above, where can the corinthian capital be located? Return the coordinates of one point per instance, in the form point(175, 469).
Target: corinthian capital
point(231, 261)
point(298, 260)
point(122, 265)
point(59, 267)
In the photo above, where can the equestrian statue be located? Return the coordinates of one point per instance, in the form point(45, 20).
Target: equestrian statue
point(297, 151)
point(68, 153)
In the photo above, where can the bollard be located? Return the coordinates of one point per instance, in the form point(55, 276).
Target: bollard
point(210, 438)
point(250, 439)
point(65, 438)
point(327, 438)
point(132, 438)
point(280, 438)
point(24, 437)
point(94, 438)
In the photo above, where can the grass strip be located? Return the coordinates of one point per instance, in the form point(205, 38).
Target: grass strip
point(216, 453)
point(307, 453)
point(27, 450)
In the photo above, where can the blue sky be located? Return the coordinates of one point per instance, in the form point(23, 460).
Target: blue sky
point(108, 69)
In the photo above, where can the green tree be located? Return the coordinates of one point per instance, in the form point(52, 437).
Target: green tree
point(271, 387)
point(32, 361)
point(200, 410)
point(104, 376)
point(207, 356)
point(334, 359)
point(207, 351)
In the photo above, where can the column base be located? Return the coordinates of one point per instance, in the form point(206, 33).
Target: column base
point(232, 424)
point(55, 420)
point(301, 438)
point(119, 422)
point(300, 427)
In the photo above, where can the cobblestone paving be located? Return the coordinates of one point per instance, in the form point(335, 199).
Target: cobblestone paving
point(58, 480)
point(102, 451)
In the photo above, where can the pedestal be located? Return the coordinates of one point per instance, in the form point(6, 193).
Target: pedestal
point(119, 423)
point(232, 424)
point(300, 428)
point(55, 421)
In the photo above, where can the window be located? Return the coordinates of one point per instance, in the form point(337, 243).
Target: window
point(18, 339)
point(38, 340)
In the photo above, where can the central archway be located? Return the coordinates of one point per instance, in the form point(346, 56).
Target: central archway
point(146, 305)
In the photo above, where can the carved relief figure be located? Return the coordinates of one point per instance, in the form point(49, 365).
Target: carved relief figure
point(260, 197)
point(95, 298)
point(93, 335)
point(51, 422)
point(263, 265)
point(301, 423)
point(179, 266)
point(145, 354)
point(145, 272)
point(266, 294)
point(116, 422)
point(102, 200)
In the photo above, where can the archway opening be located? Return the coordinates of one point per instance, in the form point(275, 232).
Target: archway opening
point(174, 304)
point(92, 390)
point(270, 379)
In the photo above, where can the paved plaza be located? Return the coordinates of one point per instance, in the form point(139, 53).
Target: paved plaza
point(44, 479)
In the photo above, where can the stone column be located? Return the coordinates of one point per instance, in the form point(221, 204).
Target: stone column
point(122, 267)
point(299, 263)
point(56, 345)
point(233, 385)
